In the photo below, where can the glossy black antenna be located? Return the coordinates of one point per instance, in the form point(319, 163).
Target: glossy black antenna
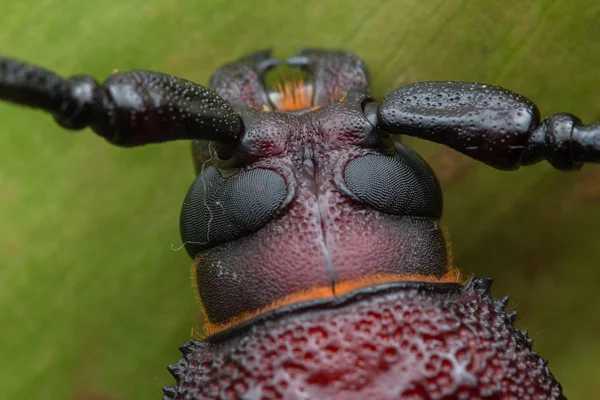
point(129, 109)
point(487, 123)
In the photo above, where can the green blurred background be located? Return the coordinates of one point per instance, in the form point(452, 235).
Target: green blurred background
point(94, 301)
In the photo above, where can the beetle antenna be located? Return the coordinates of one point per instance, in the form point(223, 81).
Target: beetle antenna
point(487, 123)
point(129, 109)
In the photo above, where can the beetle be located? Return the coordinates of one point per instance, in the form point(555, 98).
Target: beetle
point(319, 260)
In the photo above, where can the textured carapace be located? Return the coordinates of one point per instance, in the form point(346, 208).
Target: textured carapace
point(397, 341)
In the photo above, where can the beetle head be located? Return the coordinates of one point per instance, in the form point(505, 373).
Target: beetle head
point(310, 203)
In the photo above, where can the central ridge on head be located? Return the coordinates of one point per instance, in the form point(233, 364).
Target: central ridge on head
point(313, 202)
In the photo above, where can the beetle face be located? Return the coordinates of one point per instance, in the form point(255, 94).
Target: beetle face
point(310, 205)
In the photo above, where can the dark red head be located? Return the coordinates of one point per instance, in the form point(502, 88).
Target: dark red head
point(311, 203)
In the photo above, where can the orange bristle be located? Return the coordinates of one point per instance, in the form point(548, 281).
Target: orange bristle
point(293, 95)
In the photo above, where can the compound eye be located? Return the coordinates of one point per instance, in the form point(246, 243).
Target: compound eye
point(219, 210)
point(402, 184)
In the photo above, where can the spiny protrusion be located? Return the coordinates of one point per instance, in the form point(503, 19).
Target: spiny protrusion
point(483, 286)
point(177, 369)
point(511, 317)
point(169, 392)
point(189, 347)
point(501, 304)
point(480, 286)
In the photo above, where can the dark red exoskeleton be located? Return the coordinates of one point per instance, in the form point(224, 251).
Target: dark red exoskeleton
point(319, 259)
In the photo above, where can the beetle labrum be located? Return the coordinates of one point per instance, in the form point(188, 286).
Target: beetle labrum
point(320, 262)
